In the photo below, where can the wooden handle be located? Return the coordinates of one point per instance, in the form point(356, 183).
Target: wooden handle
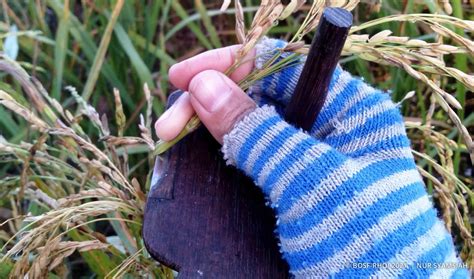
point(311, 90)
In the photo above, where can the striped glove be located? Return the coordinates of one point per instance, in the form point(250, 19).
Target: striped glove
point(349, 200)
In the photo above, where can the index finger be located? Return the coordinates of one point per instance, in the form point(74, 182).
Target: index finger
point(220, 59)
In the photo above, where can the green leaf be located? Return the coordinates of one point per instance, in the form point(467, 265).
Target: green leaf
point(187, 21)
point(142, 43)
point(5, 268)
point(60, 49)
point(206, 20)
point(137, 62)
point(89, 48)
point(102, 50)
point(460, 63)
point(98, 261)
point(194, 27)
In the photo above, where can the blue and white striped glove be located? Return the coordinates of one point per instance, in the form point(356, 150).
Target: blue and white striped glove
point(349, 200)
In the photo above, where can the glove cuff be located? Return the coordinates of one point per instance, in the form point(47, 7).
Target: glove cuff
point(242, 132)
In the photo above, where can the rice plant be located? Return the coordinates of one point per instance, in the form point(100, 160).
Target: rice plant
point(82, 81)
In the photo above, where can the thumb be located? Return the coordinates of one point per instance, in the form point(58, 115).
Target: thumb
point(218, 102)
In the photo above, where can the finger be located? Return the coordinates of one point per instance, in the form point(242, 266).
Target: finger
point(218, 102)
point(173, 120)
point(221, 59)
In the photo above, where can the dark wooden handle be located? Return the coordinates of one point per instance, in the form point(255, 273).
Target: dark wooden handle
point(311, 90)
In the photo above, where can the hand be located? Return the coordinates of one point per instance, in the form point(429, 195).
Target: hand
point(347, 193)
point(216, 99)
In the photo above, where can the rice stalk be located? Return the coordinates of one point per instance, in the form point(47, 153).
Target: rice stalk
point(66, 180)
point(100, 55)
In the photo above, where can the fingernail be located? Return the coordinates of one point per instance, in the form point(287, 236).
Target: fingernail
point(210, 90)
point(167, 114)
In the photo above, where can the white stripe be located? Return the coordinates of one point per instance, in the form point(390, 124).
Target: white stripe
point(293, 79)
point(261, 145)
point(403, 152)
point(349, 210)
point(385, 133)
point(362, 92)
point(355, 121)
point(236, 139)
point(343, 80)
point(443, 273)
point(285, 178)
point(364, 243)
point(419, 247)
point(271, 90)
point(335, 179)
point(287, 147)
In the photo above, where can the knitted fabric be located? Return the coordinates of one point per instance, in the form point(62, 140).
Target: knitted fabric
point(349, 200)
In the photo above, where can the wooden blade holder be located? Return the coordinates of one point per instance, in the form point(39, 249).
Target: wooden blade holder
point(207, 220)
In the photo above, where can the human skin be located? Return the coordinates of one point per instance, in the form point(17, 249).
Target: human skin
point(214, 97)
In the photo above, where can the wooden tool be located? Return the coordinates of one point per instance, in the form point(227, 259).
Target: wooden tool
point(206, 219)
point(312, 87)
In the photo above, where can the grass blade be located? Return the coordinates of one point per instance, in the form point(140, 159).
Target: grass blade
point(195, 17)
point(89, 48)
point(100, 55)
point(141, 42)
point(460, 62)
point(206, 20)
point(98, 261)
point(60, 51)
point(137, 62)
point(194, 28)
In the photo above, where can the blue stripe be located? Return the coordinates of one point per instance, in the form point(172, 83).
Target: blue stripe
point(271, 149)
point(268, 80)
point(393, 142)
point(427, 261)
point(284, 82)
point(265, 84)
point(461, 273)
point(385, 249)
point(277, 94)
point(280, 44)
point(293, 75)
point(298, 151)
point(309, 177)
point(348, 190)
point(371, 126)
point(265, 100)
point(338, 103)
point(368, 102)
point(357, 226)
point(256, 135)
